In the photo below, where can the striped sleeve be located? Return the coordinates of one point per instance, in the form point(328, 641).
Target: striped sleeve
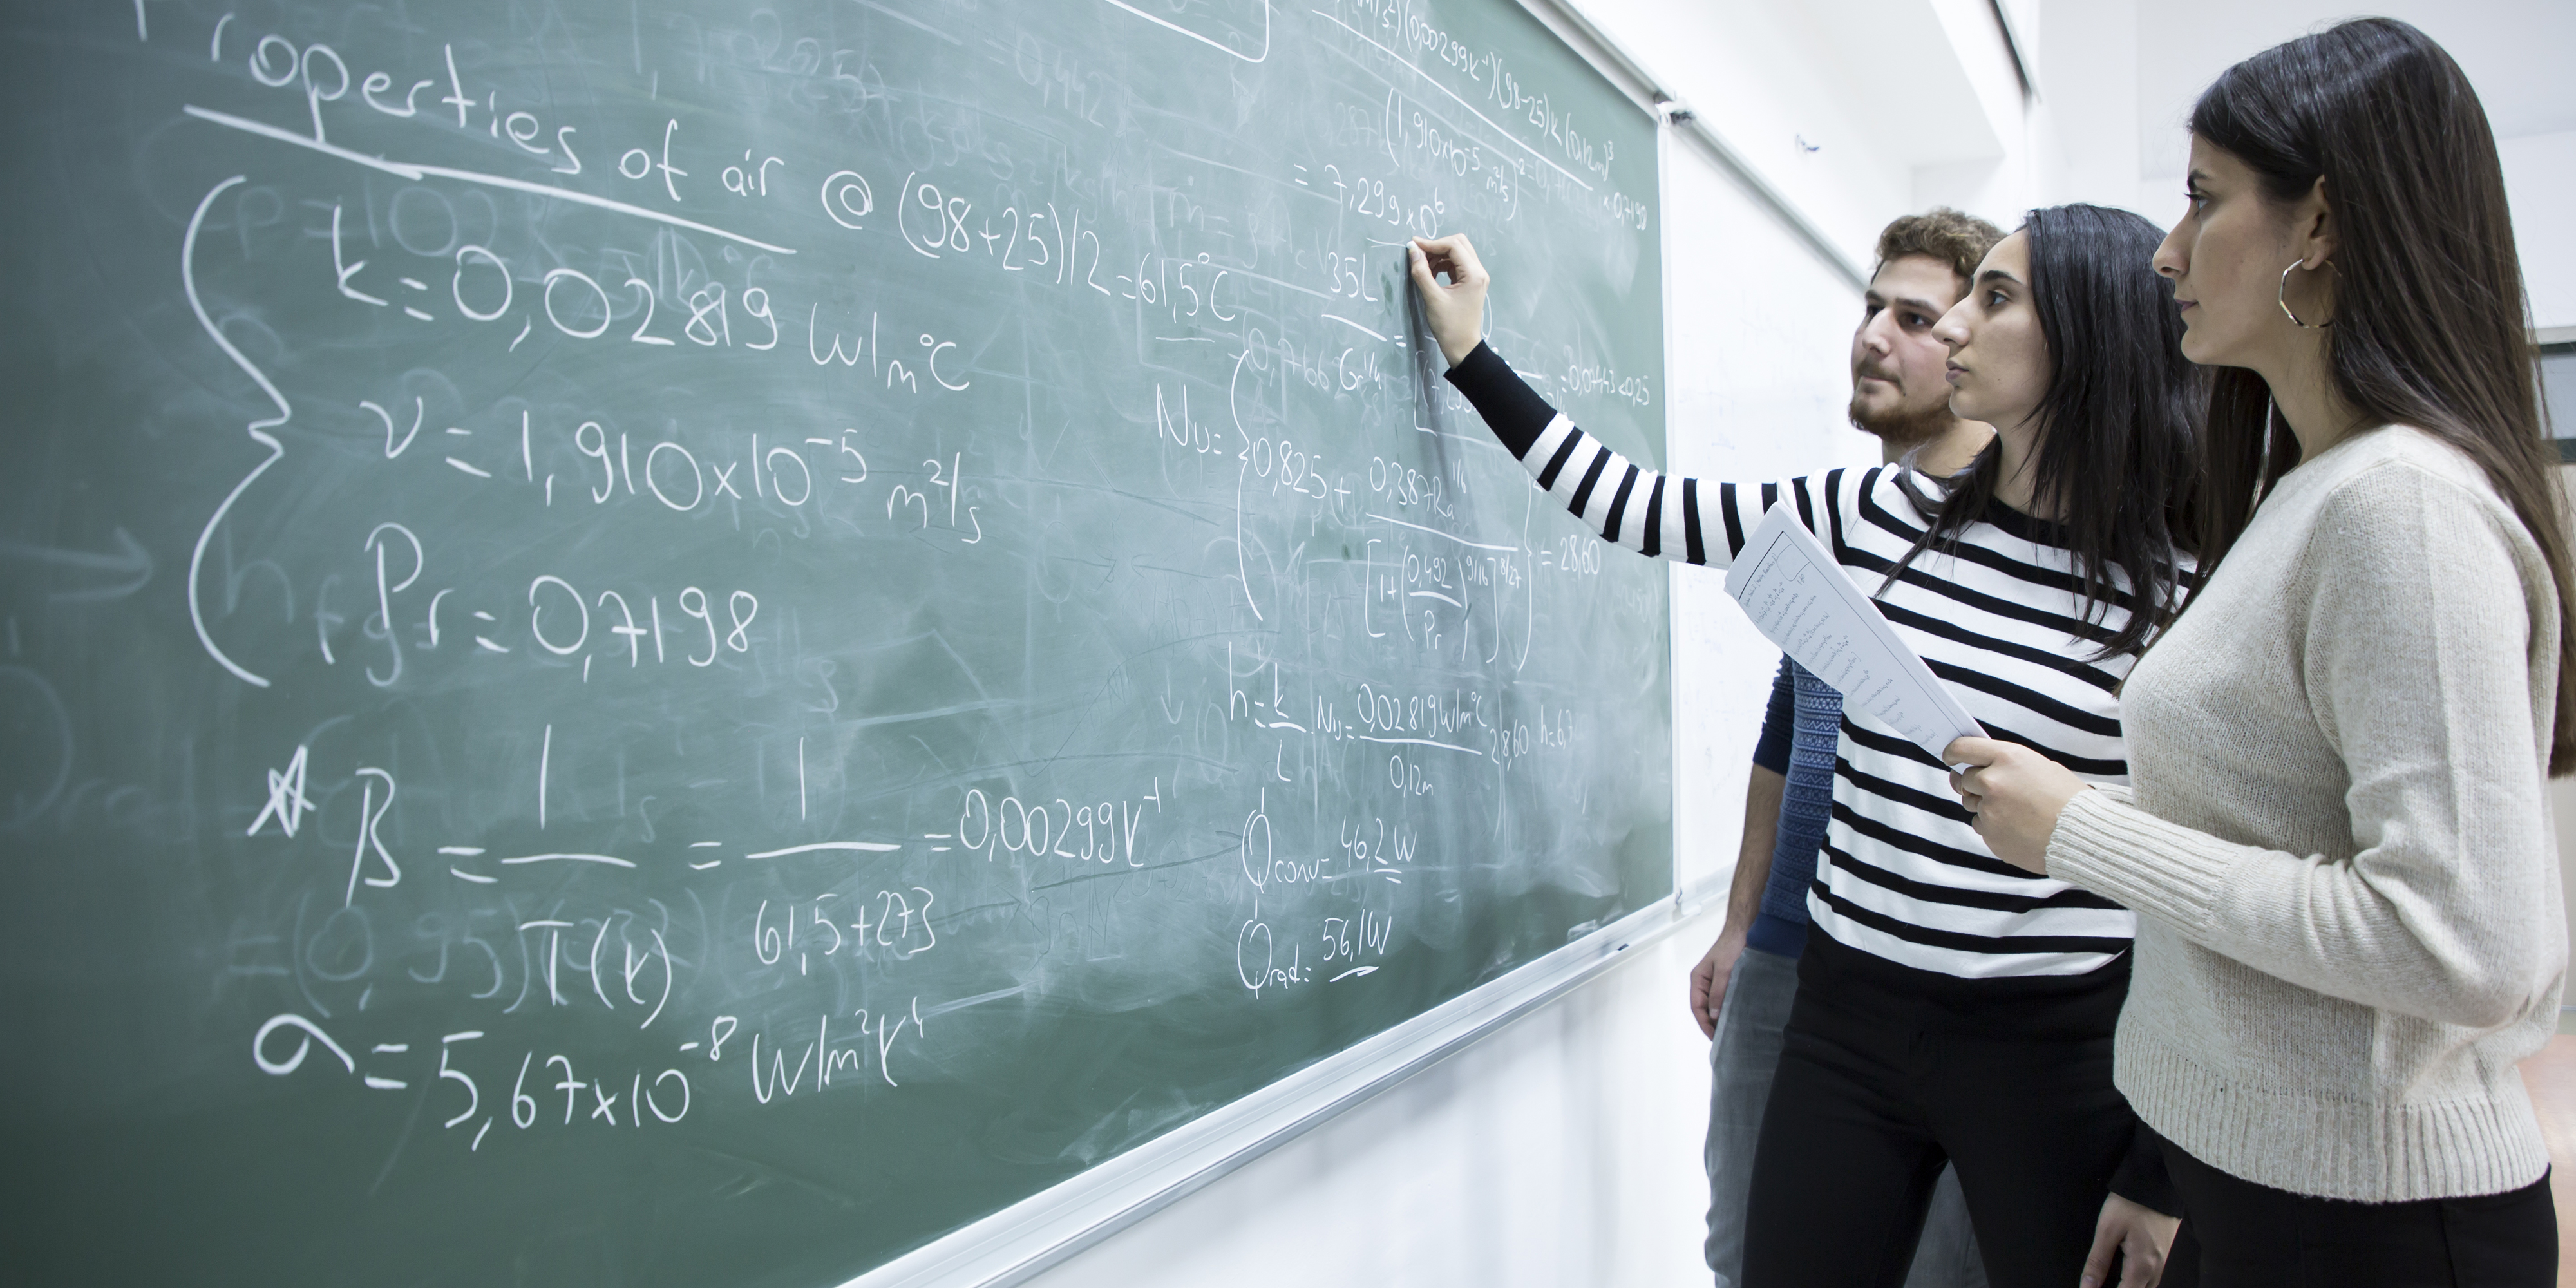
point(1997, 612)
point(1626, 504)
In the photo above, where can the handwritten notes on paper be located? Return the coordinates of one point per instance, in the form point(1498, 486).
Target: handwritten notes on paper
point(1800, 599)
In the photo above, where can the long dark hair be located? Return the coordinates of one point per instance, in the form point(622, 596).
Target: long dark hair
point(2430, 322)
point(2119, 425)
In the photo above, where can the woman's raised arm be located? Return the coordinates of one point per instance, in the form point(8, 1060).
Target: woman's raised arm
point(1624, 503)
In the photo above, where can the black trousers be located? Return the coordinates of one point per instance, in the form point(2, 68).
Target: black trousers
point(1887, 1072)
point(2237, 1234)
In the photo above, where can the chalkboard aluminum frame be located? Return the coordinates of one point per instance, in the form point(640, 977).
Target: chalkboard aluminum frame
point(1037, 1233)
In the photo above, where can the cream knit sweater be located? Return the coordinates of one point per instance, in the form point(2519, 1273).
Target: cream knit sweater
point(2337, 839)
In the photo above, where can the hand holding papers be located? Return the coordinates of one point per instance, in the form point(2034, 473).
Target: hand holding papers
point(1800, 599)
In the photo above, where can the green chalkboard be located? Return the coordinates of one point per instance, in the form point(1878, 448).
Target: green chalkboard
point(690, 643)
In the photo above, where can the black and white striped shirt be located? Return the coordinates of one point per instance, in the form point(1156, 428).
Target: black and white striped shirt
point(1903, 875)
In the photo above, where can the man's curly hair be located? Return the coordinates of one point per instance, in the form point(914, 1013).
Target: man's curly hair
point(1958, 240)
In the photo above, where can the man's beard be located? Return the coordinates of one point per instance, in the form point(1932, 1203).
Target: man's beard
point(1904, 427)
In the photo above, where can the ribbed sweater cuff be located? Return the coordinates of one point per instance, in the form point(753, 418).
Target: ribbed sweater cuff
point(2146, 864)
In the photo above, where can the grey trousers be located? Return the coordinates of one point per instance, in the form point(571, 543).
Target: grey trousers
point(1741, 1062)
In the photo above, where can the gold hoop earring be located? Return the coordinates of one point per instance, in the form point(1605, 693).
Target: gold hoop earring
point(2283, 297)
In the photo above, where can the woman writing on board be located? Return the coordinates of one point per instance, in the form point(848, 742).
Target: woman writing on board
point(2336, 836)
point(1951, 1007)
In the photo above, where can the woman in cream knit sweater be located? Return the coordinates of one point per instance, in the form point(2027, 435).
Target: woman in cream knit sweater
point(2336, 838)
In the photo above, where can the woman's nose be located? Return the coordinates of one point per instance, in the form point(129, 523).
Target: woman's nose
point(2169, 262)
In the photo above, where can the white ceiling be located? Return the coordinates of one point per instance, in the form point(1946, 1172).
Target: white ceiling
point(2521, 55)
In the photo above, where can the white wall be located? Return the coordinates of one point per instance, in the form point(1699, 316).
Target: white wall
point(2540, 182)
point(1565, 1150)
point(2118, 78)
point(1762, 345)
point(2087, 136)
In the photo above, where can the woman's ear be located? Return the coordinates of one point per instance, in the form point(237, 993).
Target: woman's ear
point(2313, 230)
